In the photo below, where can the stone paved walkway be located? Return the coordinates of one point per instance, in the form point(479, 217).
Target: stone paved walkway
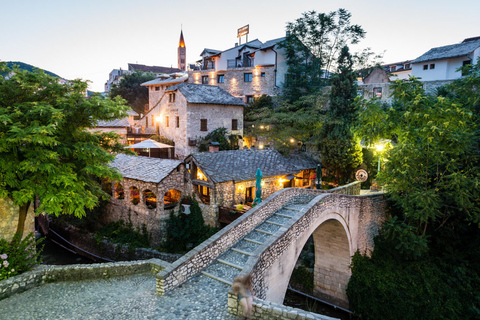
point(123, 298)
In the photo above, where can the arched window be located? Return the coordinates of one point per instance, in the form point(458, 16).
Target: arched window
point(119, 193)
point(134, 195)
point(171, 198)
point(150, 199)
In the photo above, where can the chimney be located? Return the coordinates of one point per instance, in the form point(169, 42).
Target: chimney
point(213, 147)
point(236, 44)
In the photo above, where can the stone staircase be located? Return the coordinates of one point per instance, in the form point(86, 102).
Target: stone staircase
point(230, 264)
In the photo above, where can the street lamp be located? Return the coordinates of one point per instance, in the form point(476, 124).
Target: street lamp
point(379, 148)
point(157, 122)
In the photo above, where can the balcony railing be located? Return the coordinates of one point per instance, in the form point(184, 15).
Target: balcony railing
point(245, 63)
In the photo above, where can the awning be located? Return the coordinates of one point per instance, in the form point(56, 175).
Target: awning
point(290, 177)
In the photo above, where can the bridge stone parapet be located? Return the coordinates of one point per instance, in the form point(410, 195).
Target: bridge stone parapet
point(205, 253)
point(340, 225)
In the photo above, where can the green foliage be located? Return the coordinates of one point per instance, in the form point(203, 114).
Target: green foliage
point(46, 151)
point(218, 135)
point(302, 278)
point(124, 233)
point(312, 46)
point(162, 139)
point(419, 289)
point(340, 150)
point(18, 256)
point(187, 231)
point(130, 89)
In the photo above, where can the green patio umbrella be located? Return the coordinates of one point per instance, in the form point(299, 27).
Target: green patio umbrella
point(258, 187)
point(319, 176)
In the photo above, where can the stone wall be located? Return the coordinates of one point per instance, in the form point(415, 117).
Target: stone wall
point(205, 253)
point(9, 219)
point(234, 81)
point(140, 214)
point(47, 274)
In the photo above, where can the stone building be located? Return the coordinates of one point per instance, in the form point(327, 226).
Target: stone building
point(245, 71)
point(122, 127)
point(226, 178)
point(187, 112)
point(150, 188)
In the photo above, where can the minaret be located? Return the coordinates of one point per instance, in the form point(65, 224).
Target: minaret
point(182, 53)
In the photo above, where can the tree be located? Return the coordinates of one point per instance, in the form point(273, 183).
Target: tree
point(130, 89)
point(311, 48)
point(46, 151)
point(341, 152)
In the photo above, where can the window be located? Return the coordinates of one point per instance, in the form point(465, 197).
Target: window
point(234, 124)
point(262, 74)
point(247, 77)
point(171, 97)
point(249, 195)
point(204, 79)
point(393, 68)
point(221, 78)
point(182, 60)
point(178, 122)
point(146, 122)
point(249, 99)
point(204, 194)
point(425, 67)
point(203, 124)
point(167, 121)
point(465, 63)
point(377, 92)
point(406, 66)
point(157, 88)
point(432, 65)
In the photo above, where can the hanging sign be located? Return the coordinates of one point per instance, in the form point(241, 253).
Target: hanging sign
point(242, 31)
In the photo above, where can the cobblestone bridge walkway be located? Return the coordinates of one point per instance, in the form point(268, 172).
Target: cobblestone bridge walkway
point(133, 297)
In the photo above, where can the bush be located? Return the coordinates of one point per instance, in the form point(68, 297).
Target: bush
point(422, 288)
point(187, 231)
point(18, 256)
point(123, 233)
point(302, 278)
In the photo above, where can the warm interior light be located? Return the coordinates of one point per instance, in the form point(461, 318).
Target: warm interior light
point(157, 119)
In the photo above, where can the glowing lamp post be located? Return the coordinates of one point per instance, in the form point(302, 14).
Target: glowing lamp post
point(157, 122)
point(379, 148)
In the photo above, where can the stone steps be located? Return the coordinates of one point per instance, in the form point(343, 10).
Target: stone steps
point(230, 263)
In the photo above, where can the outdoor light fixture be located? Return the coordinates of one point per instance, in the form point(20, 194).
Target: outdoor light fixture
point(261, 146)
point(292, 140)
point(379, 148)
point(261, 127)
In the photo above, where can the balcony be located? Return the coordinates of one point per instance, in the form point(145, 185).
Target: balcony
point(245, 63)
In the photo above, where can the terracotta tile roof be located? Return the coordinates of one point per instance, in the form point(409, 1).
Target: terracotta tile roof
point(144, 168)
point(205, 94)
point(241, 165)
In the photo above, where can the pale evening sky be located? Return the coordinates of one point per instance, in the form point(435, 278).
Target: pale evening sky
point(87, 39)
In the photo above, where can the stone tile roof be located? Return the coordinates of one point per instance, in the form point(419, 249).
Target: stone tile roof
point(144, 168)
point(271, 43)
point(165, 81)
point(241, 165)
point(450, 51)
point(117, 123)
point(205, 94)
point(302, 161)
point(155, 69)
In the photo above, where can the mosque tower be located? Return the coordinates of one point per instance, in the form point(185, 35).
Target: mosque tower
point(182, 53)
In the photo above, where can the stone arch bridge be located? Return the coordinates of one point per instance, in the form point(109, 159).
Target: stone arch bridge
point(267, 241)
